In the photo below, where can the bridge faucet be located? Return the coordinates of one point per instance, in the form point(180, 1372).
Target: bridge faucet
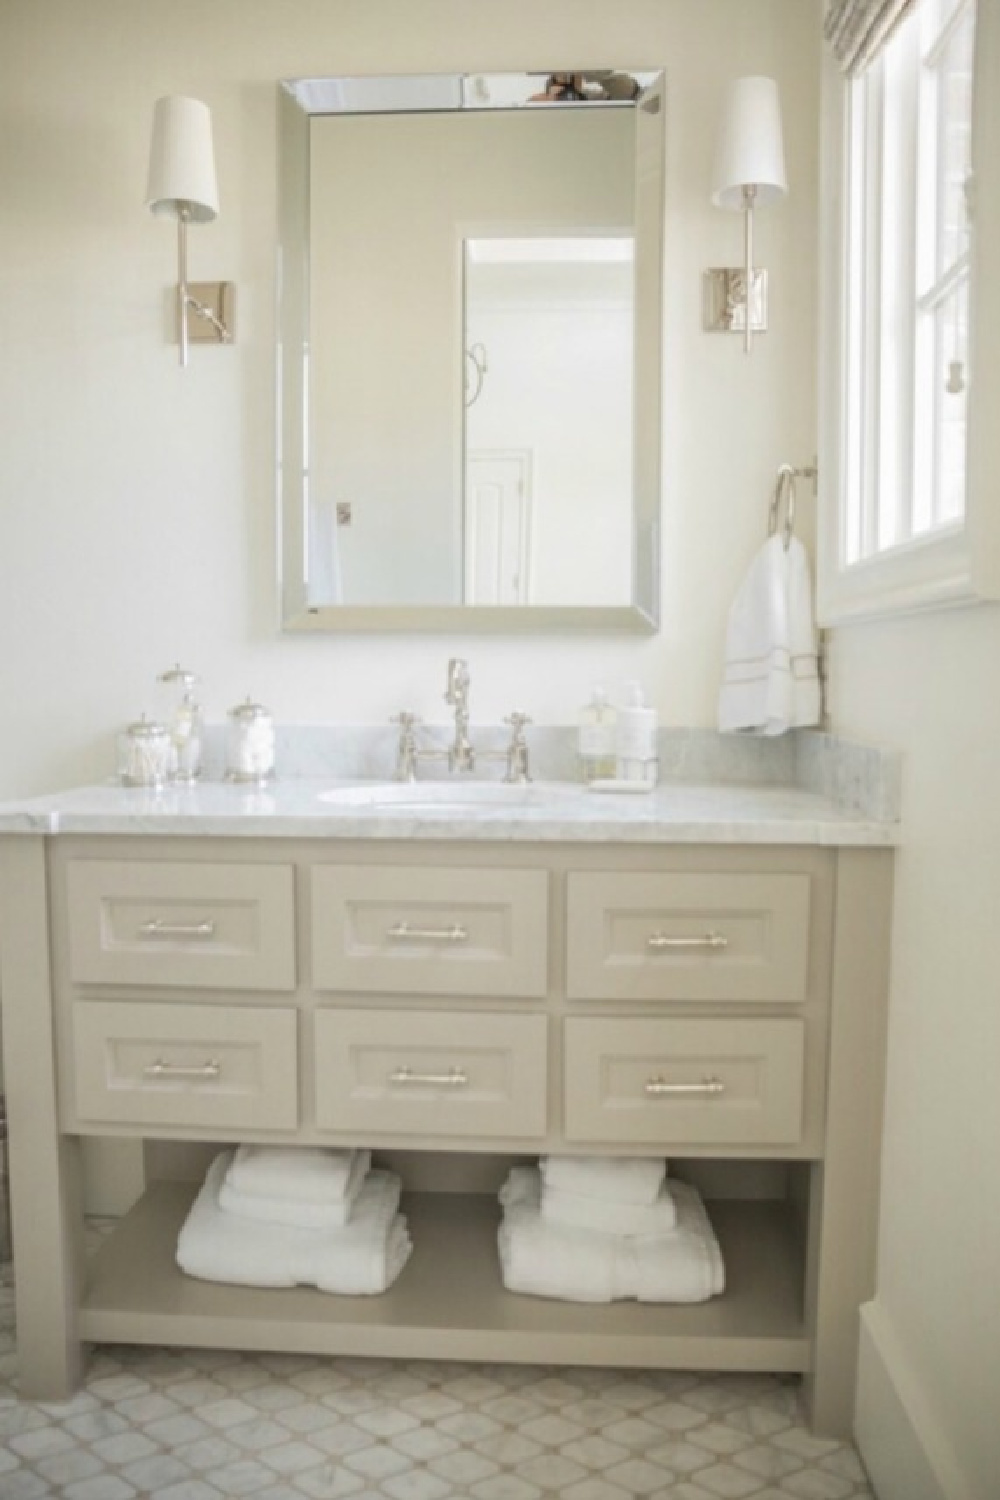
point(461, 755)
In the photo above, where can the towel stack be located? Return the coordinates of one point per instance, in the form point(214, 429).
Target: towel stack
point(287, 1216)
point(588, 1229)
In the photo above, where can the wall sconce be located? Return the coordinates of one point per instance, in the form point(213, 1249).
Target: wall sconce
point(182, 183)
point(749, 174)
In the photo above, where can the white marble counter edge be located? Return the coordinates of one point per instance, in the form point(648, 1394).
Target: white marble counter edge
point(741, 815)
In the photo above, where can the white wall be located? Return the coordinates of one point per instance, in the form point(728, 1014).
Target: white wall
point(137, 515)
point(928, 686)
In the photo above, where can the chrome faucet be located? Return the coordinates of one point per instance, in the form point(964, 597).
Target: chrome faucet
point(461, 755)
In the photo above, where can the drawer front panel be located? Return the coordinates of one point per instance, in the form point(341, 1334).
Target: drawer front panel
point(207, 1066)
point(687, 937)
point(436, 1073)
point(205, 926)
point(684, 1082)
point(430, 931)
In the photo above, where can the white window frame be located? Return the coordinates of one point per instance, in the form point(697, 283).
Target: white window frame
point(960, 563)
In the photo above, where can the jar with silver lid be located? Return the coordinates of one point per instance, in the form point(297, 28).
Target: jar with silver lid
point(183, 718)
point(250, 743)
point(145, 754)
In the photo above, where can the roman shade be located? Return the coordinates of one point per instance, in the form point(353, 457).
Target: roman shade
point(857, 30)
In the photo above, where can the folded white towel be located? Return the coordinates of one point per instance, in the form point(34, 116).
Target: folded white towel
point(549, 1260)
point(770, 678)
point(619, 1179)
point(362, 1259)
point(307, 1174)
point(298, 1212)
point(559, 1207)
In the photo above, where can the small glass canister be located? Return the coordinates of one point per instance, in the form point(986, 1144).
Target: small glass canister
point(184, 721)
point(145, 754)
point(250, 743)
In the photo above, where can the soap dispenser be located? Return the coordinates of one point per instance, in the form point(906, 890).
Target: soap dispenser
point(184, 723)
point(596, 738)
point(636, 738)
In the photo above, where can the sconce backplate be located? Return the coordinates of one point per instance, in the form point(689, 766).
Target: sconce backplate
point(220, 299)
point(725, 300)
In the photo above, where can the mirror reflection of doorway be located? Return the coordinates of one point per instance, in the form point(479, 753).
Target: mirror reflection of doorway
point(498, 528)
point(548, 355)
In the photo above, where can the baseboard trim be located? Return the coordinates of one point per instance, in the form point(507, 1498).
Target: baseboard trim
point(900, 1440)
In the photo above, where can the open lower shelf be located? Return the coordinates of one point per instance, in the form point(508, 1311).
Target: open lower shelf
point(450, 1303)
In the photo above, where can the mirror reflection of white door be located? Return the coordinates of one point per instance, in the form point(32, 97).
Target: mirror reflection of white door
point(497, 527)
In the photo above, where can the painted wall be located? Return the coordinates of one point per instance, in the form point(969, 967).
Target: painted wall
point(927, 686)
point(137, 519)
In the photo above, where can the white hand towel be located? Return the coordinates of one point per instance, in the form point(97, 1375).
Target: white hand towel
point(299, 1213)
point(807, 698)
point(559, 1207)
point(307, 1174)
point(770, 679)
point(548, 1260)
point(620, 1179)
point(362, 1259)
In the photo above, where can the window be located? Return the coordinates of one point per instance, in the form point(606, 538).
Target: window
point(895, 462)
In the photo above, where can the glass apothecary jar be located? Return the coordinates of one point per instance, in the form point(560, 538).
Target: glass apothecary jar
point(145, 754)
point(250, 743)
point(182, 716)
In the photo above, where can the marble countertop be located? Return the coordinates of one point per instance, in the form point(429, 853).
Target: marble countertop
point(557, 812)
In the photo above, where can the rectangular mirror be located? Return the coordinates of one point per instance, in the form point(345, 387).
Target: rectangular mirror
point(469, 313)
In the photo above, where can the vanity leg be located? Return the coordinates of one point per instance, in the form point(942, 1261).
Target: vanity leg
point(46, 1206)
point(844, 1187)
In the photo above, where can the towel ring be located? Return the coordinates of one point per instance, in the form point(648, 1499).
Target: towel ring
point(784, 490)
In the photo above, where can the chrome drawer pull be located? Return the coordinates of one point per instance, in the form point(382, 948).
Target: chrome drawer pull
point(454, 1078)
point(160, 929)
point(161, 1069)
point(657, 1087)
point(712, 940)
point(454, 934)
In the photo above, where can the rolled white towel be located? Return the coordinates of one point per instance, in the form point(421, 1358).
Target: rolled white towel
point(572, 1209)
point(618, 1179)
point(361, 1259)
point(550, 1260)
point(307, 1174)
point(300, 1213)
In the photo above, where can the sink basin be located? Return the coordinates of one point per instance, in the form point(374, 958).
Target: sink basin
point(446, 796)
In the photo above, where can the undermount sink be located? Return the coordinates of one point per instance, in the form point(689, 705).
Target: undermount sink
point(444, 796)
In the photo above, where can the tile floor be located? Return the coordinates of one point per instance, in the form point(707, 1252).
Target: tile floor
point(161, 1424)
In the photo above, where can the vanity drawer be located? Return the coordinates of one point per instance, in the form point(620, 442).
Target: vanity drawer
point(430, 931)
point(687, 937)
point(431, 1073)
point(210, 1066)
point(684, 1082)
point(207, 926)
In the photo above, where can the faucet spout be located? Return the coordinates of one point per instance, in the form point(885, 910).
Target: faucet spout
point(461, 755)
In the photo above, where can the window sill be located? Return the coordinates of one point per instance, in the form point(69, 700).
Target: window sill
point(935, 572)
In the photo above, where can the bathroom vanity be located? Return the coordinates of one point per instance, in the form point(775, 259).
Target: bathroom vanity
point(700, 973)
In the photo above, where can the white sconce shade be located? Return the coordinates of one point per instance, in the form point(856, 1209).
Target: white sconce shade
point(181, 160)
point(749, 174)
point(750, 149)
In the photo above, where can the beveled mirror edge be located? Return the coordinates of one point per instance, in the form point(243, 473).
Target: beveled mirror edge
point(297, 616)
point(472, 619)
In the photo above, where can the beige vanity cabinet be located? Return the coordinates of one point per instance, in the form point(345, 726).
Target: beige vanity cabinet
point(455, 1007)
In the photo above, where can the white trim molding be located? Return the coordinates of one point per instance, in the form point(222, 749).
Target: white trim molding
point(960, 564)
